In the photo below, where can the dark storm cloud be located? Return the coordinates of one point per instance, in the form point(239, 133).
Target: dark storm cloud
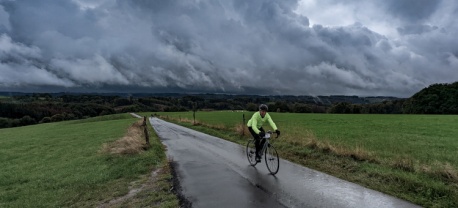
point(223, 46)
point(416, 29)
point(412, 11)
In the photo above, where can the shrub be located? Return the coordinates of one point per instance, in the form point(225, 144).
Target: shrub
point(57, 117)
point(45, 120)
point(27, 120)
point(4, 123)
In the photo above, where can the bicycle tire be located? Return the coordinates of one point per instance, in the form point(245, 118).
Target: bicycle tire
point(272, 160)
point(251, 152)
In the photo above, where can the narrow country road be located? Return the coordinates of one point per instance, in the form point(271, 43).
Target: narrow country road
point(215, 173)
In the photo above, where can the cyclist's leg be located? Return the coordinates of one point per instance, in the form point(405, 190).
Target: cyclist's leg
point(261, 141)
point(256, 143)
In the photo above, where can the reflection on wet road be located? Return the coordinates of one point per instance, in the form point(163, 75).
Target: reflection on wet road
point(215, 173)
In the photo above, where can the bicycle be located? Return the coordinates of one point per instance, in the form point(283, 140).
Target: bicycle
point(270, 153)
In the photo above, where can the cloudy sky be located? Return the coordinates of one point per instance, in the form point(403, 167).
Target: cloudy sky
point(305, 47)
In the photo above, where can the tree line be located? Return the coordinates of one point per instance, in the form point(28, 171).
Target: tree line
point(36, 108)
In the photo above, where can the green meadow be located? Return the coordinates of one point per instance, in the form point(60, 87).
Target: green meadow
point(413, 157)
point(62, 165)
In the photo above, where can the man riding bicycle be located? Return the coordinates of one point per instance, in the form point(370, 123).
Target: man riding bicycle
point(256, 130)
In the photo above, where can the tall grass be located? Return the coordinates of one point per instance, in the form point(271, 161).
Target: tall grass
point(409, 156)
point(130, 144)
point(428, 139)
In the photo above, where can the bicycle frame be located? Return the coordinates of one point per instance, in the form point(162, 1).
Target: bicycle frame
point(266, 143)
point(268, 150)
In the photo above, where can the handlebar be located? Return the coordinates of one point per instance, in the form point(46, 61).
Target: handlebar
point(270, 132)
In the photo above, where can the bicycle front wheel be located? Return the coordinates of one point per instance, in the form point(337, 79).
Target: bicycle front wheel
point(251, 152)
point(272, 160)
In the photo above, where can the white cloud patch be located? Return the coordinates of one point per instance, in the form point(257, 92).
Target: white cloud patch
point(93, 71)
point(20, 75)
point(10, 49)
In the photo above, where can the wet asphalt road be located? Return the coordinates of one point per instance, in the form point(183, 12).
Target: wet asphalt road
point(216, 173)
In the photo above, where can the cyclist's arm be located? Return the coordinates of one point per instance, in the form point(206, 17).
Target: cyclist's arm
point(271, 122)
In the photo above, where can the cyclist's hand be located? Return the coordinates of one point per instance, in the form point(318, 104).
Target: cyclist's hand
point(262, 134)
point(278, 132)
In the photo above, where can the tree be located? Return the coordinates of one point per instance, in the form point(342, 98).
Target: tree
point(251, 107)
point(340, 107)
point(57, 117)
point(435, 99)
point(280, 106)
point(46, 120)
point(301, 108)
point(4, 123)
point(355, 108)
point(27, 120)
point(122, 102)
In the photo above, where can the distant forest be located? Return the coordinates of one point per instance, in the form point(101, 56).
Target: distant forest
point(20, 109)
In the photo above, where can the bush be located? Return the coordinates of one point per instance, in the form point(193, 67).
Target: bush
point(251, 107)
point(15, 123)
point(45, 120)
point(107, 112)
point(70, 116)
point(27, 120)
point(57, 117)
point(4, 123)
point(301, 108)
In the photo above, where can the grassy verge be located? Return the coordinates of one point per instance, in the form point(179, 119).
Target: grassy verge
point(70, 164)
point(400, 156)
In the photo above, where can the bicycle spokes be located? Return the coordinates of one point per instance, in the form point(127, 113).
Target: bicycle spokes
point(251, 152)
point(272, 161)
point(270, 156)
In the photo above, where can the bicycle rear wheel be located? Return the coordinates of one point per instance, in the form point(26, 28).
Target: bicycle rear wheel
point(251, 152)
point(272, 160)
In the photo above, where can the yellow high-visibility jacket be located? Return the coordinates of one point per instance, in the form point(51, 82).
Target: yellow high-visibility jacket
point(257, 121)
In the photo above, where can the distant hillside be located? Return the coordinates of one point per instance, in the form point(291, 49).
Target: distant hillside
point(323, 100)
point(20, 109)
point(435, 99)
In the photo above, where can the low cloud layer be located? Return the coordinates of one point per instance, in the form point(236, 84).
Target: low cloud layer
point(261, 46)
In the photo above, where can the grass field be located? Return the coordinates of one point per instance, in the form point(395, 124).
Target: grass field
point(63, 165)
point(413, 157)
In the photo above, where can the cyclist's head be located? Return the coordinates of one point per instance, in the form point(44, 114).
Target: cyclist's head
point(263, 107)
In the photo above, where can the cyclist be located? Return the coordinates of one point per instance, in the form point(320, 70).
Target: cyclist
point(255, 128)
